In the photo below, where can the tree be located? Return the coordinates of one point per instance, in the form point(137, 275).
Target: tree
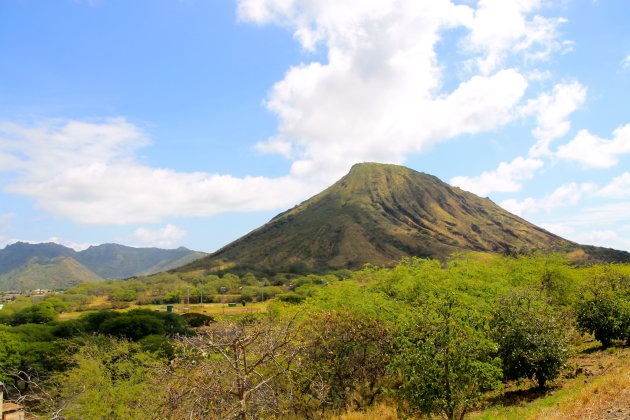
point(533, 338)
point(41, 313)
point(109, 379)
point(606, 315)
point(132, 327)
point(348, 354)
point(604, 309)
point(239, 369)
point(10, 354)
point(446, 359)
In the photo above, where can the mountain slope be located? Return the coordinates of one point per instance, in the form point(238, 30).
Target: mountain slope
point(19, 253)
point(377, 214)
point(53, 266)
point(113, 261)
point(47, 273)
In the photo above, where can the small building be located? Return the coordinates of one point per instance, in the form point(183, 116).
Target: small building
point(12, 411)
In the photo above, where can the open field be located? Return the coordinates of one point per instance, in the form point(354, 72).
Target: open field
point(206, 308)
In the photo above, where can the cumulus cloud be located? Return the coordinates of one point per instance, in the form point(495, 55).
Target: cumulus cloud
point(87, 172)
point(618, 187)
point(609, 238)
point(378, 96)
point(552, 112)
point(506, 178)
point(503, 27)
point(595, 152)
point(565, 195)
point(626, 63)
point(47, 149)
point(163, 237)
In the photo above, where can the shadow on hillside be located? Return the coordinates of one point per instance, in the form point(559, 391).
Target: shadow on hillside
point(520, 396)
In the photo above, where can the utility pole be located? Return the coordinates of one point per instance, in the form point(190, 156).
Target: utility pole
point(188, 298)
point(201, 291)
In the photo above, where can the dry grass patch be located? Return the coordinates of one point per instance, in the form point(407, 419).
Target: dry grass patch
point(381, 411)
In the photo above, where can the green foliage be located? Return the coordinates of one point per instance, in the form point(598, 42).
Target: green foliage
point(134, 324)
point(41, 313)
point(59, 305)
point(10, 350)
point(348, 355)
point(292, 298)
point(122, 295)
point(109, 379)
point(533, 338)
point(604, 308)
point(195, 320)
point(446, 358)
point(607, 316)
point(132, 327)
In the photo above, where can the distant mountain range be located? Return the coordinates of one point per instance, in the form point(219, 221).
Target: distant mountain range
point(380, 213)
point(25, 266)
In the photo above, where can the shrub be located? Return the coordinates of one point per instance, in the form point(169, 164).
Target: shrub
point(292, 298)
point(446, 358)
point(533, 338)
point(607, 316)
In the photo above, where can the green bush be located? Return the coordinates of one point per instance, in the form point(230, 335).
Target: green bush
point(446, 358)
point(194, 319)
point(132, 327)
point(533, 338)
point(41, 313)
point(607, 316)
point(292, 298)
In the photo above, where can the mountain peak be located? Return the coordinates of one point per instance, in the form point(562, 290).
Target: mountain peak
point(379, 213)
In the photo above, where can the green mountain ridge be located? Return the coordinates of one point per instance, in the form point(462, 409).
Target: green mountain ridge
point(47, 273)
point(377, 214)
point(26, 266)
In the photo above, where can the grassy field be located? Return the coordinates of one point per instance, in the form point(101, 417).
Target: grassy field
point(206, 308)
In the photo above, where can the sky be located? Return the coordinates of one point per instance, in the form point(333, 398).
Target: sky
point(191, 122)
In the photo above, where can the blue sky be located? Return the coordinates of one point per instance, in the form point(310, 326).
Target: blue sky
point(191, 122)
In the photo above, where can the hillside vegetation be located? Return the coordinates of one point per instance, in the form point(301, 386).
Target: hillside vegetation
point(422, 338)
point(26, 266)
point(378, 214)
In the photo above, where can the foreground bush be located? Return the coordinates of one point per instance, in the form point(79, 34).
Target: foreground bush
point(533, 338)
point(446, 359)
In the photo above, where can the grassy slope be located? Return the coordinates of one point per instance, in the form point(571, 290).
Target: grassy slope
point(47, 273)
point(113, 261)
point(604, 386)
point(377, 214)
point(602, 393)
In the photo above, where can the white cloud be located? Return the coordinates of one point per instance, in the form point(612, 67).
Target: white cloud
point(49, 148)
point(618, 187)
point(626, 63)
point(552, 112)
point(560, 229)
point(565, 195)
point(506, 178)
point(503, 27)
point(378, 96)
point(87, 173)
point(164, 237)
point(606, 238)
point(594, 152)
